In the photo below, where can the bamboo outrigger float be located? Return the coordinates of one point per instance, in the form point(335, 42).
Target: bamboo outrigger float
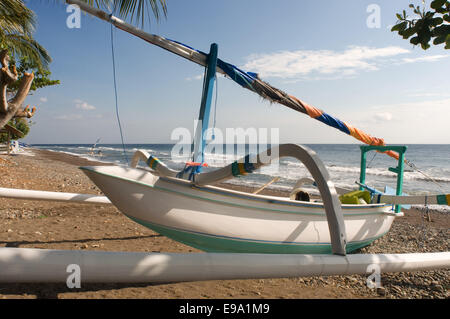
point(53, 196)
point(51, 266)
point(275, 237)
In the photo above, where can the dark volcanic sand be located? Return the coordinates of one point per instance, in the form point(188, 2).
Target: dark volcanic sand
point(40, 224)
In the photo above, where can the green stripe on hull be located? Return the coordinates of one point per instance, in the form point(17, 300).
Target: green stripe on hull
point(215, 244)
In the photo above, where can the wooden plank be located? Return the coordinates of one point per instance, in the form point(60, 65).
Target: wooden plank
point(13, 130)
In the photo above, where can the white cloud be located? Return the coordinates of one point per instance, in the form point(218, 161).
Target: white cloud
point(43, 99)
point(299, 64)
point(79, 104)
point(431, 58)
point(195, 78)
point(383, 116)
point(69, 117)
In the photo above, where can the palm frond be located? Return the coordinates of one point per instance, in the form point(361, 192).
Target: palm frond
point(24, 46)
point(15, 17)
point(138, 10)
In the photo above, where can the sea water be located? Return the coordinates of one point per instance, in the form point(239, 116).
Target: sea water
point(341, 160)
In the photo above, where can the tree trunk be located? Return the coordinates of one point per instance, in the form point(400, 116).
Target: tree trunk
point(8, 109)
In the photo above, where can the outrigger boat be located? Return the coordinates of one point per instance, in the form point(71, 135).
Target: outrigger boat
point(185, 207)
point(216, 219)
point(268, 237)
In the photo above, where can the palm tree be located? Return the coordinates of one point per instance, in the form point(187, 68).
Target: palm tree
point(17, 24)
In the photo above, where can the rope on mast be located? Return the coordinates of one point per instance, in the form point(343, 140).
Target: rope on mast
point(115, 92)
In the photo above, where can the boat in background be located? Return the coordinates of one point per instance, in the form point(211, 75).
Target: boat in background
point(93, 152)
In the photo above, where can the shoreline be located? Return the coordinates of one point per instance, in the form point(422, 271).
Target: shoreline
point(54, 225)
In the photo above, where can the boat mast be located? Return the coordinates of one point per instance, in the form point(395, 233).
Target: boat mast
point(205, 107)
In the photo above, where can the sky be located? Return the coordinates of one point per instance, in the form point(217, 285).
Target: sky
point(335, 55)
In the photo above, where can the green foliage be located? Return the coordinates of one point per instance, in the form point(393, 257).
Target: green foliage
point(16, 18)
point(22, 125)
point(427, 25)
point(41, 76)
point(19, 123)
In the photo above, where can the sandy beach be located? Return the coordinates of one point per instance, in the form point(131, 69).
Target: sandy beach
point(40, 224)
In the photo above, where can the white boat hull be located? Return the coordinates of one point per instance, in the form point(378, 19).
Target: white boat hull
point(220, 220)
